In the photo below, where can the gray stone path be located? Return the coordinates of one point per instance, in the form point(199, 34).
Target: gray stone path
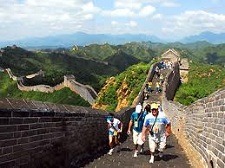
point(174, 157)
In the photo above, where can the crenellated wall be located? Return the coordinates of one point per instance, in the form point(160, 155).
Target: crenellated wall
point(200, 127)
point(36, 134)
point(85, 91)
point(140, 96)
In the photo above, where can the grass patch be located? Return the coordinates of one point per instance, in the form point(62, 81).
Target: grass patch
point(203, 79)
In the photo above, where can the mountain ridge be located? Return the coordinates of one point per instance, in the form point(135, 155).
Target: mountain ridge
point(83, 39)
point(80, 39)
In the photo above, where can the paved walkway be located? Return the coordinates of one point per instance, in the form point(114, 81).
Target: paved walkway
point(174, 157)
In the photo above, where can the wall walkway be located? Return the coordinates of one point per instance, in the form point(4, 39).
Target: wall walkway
point(36, 134)
point(85, 91)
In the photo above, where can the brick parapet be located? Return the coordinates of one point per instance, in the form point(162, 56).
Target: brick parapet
point(140, 96)
point(199, 127)
point(36, 134)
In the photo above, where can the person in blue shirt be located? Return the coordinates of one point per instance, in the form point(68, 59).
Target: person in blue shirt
point(157, 127)
point(137, 120)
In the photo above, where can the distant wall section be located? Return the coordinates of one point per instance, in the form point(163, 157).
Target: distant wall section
point(85, 91)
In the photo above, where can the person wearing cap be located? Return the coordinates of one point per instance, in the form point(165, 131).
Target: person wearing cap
point(158, 127)
point(115, 127)
point(137, 120)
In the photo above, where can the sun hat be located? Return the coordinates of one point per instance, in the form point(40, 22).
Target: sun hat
point(154, 106)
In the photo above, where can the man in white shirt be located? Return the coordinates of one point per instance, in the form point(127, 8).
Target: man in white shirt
point(115, 127)
point(157, 127)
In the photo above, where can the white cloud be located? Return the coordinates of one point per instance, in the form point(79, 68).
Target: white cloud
point(147, 10)
point(122, 24)
point(131, 4)
point(123, 27)
point(114, 23)
point(194, 22)
point(157, 16)
point(165, 3)
point(170, 4)
point(131, 24)
point(119, 13)
point(42, 17)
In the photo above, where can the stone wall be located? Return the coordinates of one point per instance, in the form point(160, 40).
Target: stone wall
point(85, 91)
point(199, 127)
point(150, 75)
point(35, 134)
point(172, 82)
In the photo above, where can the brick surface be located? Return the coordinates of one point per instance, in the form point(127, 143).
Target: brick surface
point(173, 157)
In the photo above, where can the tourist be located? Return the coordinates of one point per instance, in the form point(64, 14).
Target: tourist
point(136, 121)
point(115, 127)
point(157, 127)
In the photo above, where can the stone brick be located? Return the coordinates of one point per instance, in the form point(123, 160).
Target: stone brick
point(8, 142)
point(20, 114)
point(30, 120)
point(220, 163)
point(28, 133)
point(36, 138)
point(4, 121)
point(6, 136)
point(17, 134)
point(7, 150)
point(23, 127)
point(22, 140)
point(44, 119)
point(8, 128)
point(16, 121)
point(5, 113)
point(36, 125)
point(7, 164)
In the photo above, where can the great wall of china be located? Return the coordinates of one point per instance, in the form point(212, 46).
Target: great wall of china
point(85, 91)
point(35, 134)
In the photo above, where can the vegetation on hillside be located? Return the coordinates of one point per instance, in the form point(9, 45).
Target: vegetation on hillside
point(121, 60)
point(203, 79)
point(55, 65)
point(93, 64)
point(141, 51)
point(8, 88)
point(133, 77)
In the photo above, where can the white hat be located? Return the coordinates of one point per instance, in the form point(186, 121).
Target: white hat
point(138, 108)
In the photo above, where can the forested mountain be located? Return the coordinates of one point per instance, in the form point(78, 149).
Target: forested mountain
point(121, 60)
point(55, 65)
point(93, 64)
point(206, 36)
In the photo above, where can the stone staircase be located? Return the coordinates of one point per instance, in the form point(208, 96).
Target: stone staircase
point(173, 155)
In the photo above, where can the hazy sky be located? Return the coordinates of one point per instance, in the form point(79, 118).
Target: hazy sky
point(167, 19)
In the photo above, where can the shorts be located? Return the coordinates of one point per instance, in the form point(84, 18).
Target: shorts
point(111, 133)
point(154, 142)
point(136, 137)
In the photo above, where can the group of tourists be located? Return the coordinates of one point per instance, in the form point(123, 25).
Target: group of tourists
point(149, 88)
point(150, 122)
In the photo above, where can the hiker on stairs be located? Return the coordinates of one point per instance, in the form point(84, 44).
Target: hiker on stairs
point(157, 127)
point(115, 127)
point(137, 120)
